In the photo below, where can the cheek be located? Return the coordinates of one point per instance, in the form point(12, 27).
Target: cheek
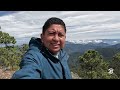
point(46, 40)
point(62, 43)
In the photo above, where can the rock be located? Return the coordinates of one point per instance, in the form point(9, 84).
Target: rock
point(75, 76)
point(5, 74)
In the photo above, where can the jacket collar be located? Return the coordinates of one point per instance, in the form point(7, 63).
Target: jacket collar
point(36, 43)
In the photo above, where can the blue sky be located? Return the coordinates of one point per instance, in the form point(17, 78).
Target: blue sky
point(2, 13)
point(81, 25)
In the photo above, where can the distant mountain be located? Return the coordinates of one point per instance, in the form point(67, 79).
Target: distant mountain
point(25, 40)
point(76, 50)
point(117, 46)
point(95, 41)
point(71, 47)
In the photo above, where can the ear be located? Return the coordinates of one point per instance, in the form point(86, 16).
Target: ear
point(41, 35)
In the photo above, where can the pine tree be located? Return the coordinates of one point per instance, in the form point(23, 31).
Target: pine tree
point(93, 66)
point(115, 64)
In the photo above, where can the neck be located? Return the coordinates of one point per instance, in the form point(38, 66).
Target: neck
point(54, 54)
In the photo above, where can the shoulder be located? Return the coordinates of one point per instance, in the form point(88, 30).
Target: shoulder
point(32, 52)
point(32, 55)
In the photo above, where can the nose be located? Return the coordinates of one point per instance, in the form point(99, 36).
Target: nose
point(56, 38)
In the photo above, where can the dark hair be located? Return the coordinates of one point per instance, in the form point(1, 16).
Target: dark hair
point(51, 21)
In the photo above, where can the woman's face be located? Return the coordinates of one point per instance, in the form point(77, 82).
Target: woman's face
point(54, 38)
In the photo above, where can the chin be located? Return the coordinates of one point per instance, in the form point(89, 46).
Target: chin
point(55, 51)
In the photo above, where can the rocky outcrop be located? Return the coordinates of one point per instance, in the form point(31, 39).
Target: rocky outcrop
point(5, 74)
point(75, 76)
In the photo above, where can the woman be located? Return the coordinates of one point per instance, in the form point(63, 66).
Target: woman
point(45, 58)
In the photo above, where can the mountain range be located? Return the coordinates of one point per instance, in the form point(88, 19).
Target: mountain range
point(91, 44)
point(94, 41)
point(107, 49)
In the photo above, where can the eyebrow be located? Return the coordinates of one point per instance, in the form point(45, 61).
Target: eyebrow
point(53, 30)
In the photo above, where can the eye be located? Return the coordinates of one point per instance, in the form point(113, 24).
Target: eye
point(61, 35)
point(51, 33)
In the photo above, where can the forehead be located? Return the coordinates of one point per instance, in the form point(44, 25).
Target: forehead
point(56, 27)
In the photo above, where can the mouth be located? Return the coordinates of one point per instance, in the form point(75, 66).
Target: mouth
point(56, 45)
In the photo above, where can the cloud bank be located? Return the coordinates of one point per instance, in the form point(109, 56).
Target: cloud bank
point(81, 25)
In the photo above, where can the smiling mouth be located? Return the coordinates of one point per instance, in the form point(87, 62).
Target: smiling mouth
point(55, 45)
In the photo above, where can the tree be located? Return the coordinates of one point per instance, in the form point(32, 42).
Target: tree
point(93, 66)
point(10, 58)
point(24, 48)
point(6, 39)
point(115, 64)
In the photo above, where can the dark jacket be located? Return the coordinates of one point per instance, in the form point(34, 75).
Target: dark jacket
point(39, 63)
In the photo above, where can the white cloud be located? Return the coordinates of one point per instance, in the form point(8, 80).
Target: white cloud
point(80, 24)
point(28, 34)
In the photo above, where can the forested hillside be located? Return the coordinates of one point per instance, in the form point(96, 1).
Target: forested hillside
point(106, 51)
point(10, 55)
point(90, 61)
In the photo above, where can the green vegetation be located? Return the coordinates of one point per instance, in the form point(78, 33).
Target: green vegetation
point(115, 64)
point(6, 39)
point(92, 64)
point(10, 55)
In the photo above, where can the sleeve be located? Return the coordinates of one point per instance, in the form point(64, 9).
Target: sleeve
point(30, 68)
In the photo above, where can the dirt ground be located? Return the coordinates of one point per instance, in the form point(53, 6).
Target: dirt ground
point(7, 74)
